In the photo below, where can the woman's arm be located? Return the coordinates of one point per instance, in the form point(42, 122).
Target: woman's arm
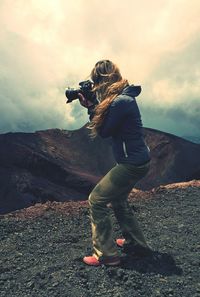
point(88, 104)
point(116, 113)
point(91, 111)
point(117, 110)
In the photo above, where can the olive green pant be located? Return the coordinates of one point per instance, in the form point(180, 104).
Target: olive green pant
point(114, 189)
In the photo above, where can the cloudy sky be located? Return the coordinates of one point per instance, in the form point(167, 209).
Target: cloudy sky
point(47, 45)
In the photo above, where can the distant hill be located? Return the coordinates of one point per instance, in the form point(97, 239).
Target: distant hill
point(60, 165)
point(195, 139)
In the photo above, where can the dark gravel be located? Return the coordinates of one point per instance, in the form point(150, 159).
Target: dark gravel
point(40, 255)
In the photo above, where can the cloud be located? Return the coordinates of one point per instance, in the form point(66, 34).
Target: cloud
point(171, 100)
point(47, 45)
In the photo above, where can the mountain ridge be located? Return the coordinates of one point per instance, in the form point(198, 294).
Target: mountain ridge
point(60, 165)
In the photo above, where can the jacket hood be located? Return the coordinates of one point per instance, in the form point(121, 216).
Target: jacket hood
point(132, 91)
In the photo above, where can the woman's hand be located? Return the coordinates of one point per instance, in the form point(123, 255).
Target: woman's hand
point(83, 101)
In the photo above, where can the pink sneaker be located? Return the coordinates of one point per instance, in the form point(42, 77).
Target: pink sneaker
point(110, 261)
point(137, 250)
point(120, 242)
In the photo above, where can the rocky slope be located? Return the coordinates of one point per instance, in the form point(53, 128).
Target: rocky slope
point(60, 165)
point(41, 248)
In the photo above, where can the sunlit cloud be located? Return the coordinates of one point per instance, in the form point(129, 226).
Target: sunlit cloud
point(47, 45)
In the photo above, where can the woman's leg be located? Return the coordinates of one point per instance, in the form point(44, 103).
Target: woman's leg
point(125, 215)
point(114, 187)
point(101, 223)
point(128, 223)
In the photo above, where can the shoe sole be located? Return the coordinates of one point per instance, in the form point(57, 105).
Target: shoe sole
point(111, 264)
point(102, 263)
point(106, 264)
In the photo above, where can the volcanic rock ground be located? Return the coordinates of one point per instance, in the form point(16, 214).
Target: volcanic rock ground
point(41, 248)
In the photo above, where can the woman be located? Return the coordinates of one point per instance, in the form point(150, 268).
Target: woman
point(115, 114)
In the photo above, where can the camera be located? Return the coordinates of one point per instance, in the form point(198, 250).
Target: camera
point(85, 89)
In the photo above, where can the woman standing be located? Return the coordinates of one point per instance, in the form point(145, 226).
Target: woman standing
point(116, 115)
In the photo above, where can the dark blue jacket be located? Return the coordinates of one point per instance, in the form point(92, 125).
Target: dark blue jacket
point(123, 123)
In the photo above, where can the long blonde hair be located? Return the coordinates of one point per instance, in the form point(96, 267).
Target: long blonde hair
point(108, 83)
